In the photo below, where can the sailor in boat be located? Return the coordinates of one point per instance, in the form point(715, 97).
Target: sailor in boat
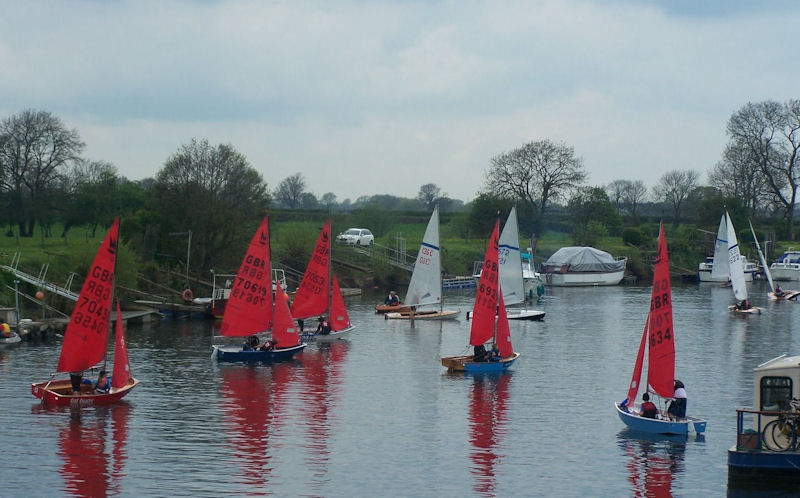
point(479, 353)
point(649, 409)
point(494, 354)
point(677, 407)
point(251, 344)
point(324, 327)
point(269, 346)
point(778, 291)
point(5, 330)
point(744, 305)
point(103, 385)
point(76, 379)
point(392, 299)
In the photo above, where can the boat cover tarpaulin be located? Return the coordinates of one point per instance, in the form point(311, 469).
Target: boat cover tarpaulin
point(585, 259)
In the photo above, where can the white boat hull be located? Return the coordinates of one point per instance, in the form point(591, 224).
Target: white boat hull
point(583, 278)
point(789, 272)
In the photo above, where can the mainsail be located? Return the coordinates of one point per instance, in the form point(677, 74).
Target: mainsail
point(485, 309)
point(510, 261)
point(312, 297)
point(425, 287)
point(736, 264)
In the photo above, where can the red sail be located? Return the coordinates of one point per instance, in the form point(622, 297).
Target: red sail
point(503, 337)
point(284, 330)
point(122, 368)
point(86, 337)
point(485, 309)
point(339, 319)
point(661, 357)
point(249, 307)
point(311, 298)
point(636, 378)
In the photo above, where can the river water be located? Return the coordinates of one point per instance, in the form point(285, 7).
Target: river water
point(377, 415)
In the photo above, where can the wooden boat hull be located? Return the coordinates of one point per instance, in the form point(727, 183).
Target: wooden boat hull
point(333, 336)
point(519, 314)
point(755, 310)
point(465, 364)
point(59, 393)
point(424, 315)
point(14, 338)
point(788, 295)
point(235, 353)
point(659, 426)
point(392, 308)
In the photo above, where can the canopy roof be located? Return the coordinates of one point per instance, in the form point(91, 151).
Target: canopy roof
point(585, 259)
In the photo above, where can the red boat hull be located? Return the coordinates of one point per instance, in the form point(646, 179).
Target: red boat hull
point(59, 393)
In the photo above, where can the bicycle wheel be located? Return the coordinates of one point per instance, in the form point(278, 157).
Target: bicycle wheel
point(779, 435)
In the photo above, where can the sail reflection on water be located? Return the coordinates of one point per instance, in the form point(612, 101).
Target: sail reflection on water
point(88, 467)
point(488, 402)
point(653, 461)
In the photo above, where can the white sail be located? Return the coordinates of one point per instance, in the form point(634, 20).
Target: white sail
point(736, 264)
point(425, 287)
point(720, 268)
point(510, 267)
point(763, 261)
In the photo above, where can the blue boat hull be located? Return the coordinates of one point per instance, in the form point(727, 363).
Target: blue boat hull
point(658, 426)
point(235, 353)
point(763, 465)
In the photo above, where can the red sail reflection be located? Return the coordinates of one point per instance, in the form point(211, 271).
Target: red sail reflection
point(321, 371)
point(88, 468)
point(652, 463)
point(487, 416)
point(252, 397)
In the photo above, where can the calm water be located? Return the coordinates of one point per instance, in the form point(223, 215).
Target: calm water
point(377, 415)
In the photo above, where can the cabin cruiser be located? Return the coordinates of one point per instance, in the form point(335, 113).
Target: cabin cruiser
point(576, 266)
point(787, 266)
point(705, 267)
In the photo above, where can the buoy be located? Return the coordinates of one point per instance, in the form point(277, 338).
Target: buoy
point(187, 295)
point(39, 295)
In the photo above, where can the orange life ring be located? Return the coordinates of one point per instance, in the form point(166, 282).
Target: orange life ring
point(187, 295)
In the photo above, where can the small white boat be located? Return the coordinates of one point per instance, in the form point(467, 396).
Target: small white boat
point(736, 272)
point(787, 266)
point(705, 268)
point(775, 293)
point(582, 266)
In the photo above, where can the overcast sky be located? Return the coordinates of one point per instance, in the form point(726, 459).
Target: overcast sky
point(374, 97)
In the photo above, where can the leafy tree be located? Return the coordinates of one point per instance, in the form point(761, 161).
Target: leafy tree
point(674, 188)
point(484, 212)
point(737, 175)
point(290, 191)
point(428, 196)
point(536, 173)
point(591, 213)
point(34, 147)
point(92, 188)
point(309, 201)
point(213, 192)
point(328, 200)
point(768, 134)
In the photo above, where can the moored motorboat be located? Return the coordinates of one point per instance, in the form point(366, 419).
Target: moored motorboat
point(787, 266)
point(582, 266)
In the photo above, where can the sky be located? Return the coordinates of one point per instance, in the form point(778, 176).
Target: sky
point(382, 97)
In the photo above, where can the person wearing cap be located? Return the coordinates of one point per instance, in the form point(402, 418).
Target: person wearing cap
point(392, 299)
point(323, 327)
point(103, 384)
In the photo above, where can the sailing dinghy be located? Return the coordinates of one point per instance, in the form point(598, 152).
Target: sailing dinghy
point(425, 289)
point(658, 339)
point(736, 269)
point(86, 338)
point(319, 293)
point(510, 272)
point(489, 319)
point(775, 294)
point(250, 309)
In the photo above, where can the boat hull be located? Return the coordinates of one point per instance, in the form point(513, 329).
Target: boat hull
point(389, 308)
point(785, 272)
point(465, 364)
point(755, 310)
point(333, 336)
point(659, 426)
point(14, 338)
point(59, 393)
point(513, 314)
point(788, 295)
point(236, 354)
point(577, 279)
point(424, 315)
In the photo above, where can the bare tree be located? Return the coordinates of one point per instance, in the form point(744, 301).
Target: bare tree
point(737, 175)
point(674, 188)
point(428, 195)
point(536, 173)
point(34, 146)
point(290, 191)
point(770, 133)
point(615, 191)
point(635, 193)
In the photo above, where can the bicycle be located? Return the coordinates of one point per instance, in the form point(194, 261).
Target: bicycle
point(784, 431)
